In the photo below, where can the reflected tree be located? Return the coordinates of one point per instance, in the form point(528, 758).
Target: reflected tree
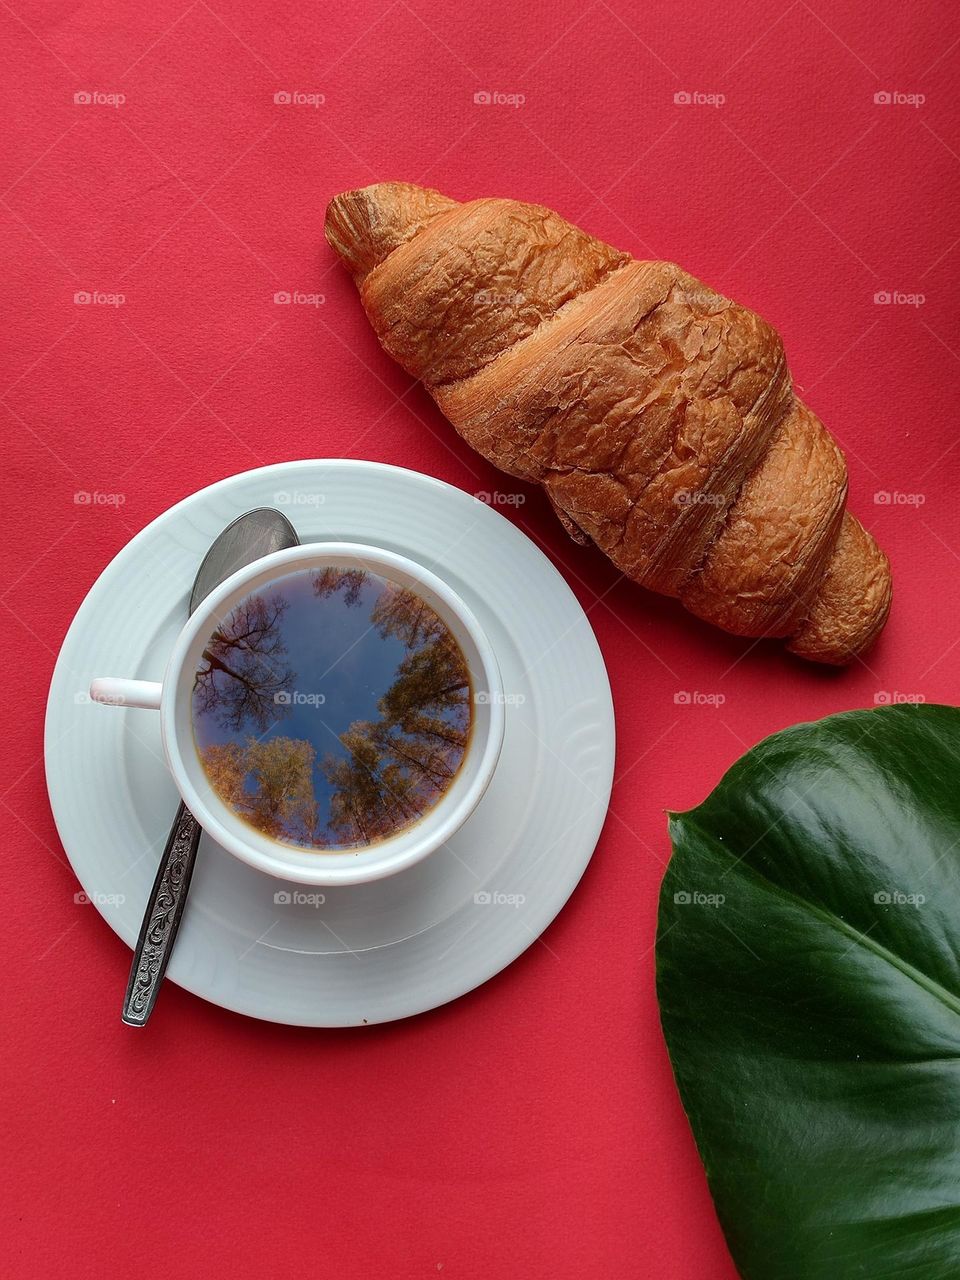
point(431, 682)
point(308, 826)
point(402, 613)
point(243, 677)
point(270, 784)
point(225, 766)
point(398, 765)
point(373, 794)
point(280, 772)
point(350, 582)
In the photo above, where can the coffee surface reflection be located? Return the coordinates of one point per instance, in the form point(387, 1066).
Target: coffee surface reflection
point(331, 709)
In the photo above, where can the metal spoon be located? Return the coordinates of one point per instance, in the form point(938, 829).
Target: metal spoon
point(249, 537)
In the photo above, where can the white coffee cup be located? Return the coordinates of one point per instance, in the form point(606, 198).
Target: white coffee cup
point(173, 699)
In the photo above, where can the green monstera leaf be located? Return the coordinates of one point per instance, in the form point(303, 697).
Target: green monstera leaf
point(808, 972)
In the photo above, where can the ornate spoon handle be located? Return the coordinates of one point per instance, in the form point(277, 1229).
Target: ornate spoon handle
point(162, 918)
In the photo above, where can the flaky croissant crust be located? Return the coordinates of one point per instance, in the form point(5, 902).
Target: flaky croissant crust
point(658, 415)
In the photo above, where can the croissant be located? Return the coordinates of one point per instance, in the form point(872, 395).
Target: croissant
point(657, 415)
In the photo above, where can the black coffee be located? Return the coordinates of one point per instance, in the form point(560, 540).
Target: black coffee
point(332, 709)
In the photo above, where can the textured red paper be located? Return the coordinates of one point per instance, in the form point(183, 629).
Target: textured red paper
point(531, 1129)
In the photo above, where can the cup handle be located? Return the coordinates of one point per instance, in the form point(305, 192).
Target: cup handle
point(116, 692)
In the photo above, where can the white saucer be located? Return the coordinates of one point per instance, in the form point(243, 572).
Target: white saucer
point(368, 953)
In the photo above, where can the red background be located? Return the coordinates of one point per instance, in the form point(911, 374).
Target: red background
point(531, 1129)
